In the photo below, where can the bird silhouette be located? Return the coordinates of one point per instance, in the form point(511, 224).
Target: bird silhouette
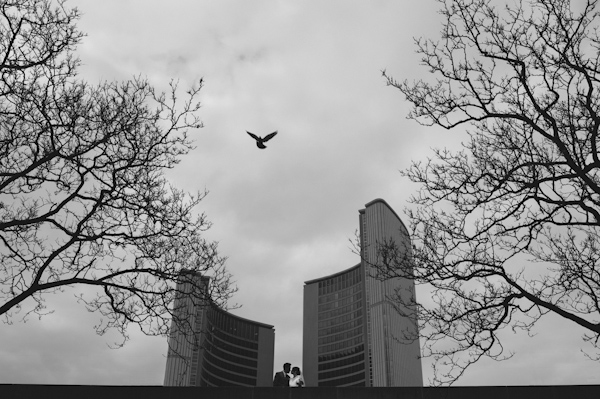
point(260, 141)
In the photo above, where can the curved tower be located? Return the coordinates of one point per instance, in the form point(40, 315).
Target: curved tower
point(214, 348)
point(353, 333)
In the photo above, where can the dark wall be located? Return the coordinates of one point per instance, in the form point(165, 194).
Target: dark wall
point(159, 392)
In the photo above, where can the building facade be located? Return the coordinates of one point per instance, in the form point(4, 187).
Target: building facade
point(210, 347)
point(353, 333)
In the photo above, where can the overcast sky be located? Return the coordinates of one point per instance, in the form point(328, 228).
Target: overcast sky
point(284, 215)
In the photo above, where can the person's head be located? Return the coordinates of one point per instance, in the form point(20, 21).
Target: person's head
point(286, 367)
point(296, 371)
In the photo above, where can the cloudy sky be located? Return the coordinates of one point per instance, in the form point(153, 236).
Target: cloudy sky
point(285, 215)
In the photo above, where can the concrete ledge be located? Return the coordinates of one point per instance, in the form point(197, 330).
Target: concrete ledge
point(25, 391)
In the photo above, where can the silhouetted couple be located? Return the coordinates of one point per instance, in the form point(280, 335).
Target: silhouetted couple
point(283, 379)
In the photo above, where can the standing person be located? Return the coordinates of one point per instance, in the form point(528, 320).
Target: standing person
point(282, 379)
point(297, 380)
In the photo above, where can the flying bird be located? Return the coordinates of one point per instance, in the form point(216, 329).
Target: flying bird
point(260, 141)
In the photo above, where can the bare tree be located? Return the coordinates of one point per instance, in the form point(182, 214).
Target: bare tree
point(507, 229)
point(83, 195)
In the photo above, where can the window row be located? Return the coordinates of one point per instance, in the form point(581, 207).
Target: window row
point(342, 302)
point(341, 327)
point(224, 345)
point(343, 362)
point(341, 345)
point(211, 361)
point(231, 325)
point(351, 380)
point(340, 294)
point(219, 379)
point(342, 281)
point(341, 336)
point(340, 319)
point(338, 355)
point(209, 347)
point(342, 372)
point(340, 311)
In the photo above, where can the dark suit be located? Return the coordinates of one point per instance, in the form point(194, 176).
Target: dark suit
point(281, 379)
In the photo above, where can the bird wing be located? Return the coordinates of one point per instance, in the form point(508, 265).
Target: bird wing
point(269, 136)
point(254, 136)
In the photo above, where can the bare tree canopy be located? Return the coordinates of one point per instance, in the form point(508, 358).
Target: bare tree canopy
point(507, 229)
point(83, 194)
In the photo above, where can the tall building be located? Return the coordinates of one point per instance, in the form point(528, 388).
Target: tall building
point(213, 348)
point(353, 334)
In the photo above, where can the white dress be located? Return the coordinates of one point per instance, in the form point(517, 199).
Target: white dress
point(297, 381)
